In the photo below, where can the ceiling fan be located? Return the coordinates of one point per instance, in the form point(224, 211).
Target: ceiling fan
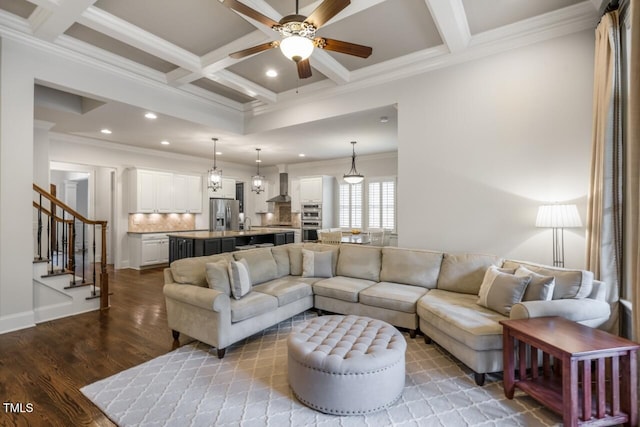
point(299, 34)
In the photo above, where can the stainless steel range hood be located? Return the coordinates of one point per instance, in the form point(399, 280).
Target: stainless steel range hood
point(283, 197)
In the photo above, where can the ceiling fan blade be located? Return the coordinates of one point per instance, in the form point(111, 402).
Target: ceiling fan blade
point(344, 47)
point(252, 50)
point(247, 11)
point(304, 69)
point(327, 10)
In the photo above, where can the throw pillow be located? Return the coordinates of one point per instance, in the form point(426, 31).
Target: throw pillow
point(500, 291)
point(239, 278)
point(540, 287)
point(217, 275)
point(316, 264)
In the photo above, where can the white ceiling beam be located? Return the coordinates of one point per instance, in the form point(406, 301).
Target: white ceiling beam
point(121, 30)
point(327, 65)
point(451, 20)
point(243, 85)
point(218, 59)
point(48, 24)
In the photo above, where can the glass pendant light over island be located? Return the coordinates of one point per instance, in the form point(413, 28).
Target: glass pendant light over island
point(257, 181)
point(214, 181)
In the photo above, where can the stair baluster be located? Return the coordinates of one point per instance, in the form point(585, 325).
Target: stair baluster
point(94, 260)
point(49, 243)
point(40, 230)
point(84, 252)
point(64, 241)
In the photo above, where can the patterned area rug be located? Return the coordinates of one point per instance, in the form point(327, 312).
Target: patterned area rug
point(192, 387)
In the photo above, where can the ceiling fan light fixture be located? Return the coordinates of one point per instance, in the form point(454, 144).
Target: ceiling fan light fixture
point(353, 177)
point(214, 176)
point(296, 48)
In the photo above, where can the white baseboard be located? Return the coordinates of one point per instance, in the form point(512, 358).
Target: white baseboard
point(17, 321)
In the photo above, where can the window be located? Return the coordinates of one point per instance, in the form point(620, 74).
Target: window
point(351, 205)
point(382, 204)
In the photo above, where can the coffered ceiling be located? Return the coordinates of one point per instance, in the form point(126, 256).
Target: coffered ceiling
point(186, 44)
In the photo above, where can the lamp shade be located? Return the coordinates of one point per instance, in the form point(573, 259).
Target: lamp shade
point(558, 216)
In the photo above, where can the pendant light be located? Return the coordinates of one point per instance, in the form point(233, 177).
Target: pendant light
point(353, 177)
point(215, 174)
point(257, 181)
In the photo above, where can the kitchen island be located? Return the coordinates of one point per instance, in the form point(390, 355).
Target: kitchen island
point(200, 243)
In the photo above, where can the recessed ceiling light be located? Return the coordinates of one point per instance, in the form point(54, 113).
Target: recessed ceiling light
point(301, 155)
point(271, 73)
point(384, 119)
point(151, 116)
point(165, 142)
point(106, 131)
point(218, 153)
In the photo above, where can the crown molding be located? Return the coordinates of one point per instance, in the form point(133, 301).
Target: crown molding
point(393, 155)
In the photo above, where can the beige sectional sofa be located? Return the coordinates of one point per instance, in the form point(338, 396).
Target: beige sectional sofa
point(434, 292)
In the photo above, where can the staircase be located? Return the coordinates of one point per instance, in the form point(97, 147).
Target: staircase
point(67, 280)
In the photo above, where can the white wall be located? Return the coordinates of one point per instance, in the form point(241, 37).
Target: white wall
point(482, 144)
point(16, 178)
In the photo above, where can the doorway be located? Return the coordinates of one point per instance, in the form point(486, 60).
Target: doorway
point(90, 190)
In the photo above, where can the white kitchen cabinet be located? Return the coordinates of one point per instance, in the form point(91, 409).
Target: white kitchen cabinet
point(311, 189)
point(148, 249)
point(260, 200)
point(226, 191)
point(295, 195)
point(150, 191)
point(187, 193)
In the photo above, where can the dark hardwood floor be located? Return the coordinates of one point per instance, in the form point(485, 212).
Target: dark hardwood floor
point(46, 365)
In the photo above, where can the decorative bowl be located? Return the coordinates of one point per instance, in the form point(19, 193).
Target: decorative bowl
point(355, 231)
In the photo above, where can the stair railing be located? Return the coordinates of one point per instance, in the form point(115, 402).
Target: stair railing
point(61, 237)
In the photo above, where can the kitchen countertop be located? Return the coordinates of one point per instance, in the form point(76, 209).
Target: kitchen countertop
point(167, 231)
point(218, 234)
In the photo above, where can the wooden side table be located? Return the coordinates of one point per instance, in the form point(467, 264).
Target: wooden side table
point(575, 363)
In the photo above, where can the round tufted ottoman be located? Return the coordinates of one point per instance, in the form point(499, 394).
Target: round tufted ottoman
point(346, 365)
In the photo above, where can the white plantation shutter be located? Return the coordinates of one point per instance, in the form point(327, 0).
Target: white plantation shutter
point(382, 203)
point(351, 205)
point(356, 205)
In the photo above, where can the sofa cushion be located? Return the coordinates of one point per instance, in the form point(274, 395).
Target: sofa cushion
point(410, 267)
point(239, 278)
point(192, 271)
point(316, 264)
point(360, 262)
point(458, 316)
point(218, 276)
point(540, 287)
point(295, 255)
point(281, 257)
point(285, 289)
point(342, 288)
point(500, 291)
point(393, 296)
point(260, 263)
point(463, 273)
point(253, 304)
point(570, 283)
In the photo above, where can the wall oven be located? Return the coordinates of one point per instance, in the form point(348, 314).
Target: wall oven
point(311, 221)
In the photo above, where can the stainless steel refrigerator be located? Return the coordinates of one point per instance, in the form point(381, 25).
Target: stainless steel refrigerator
point(224, 215)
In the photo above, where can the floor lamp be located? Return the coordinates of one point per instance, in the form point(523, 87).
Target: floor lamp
point(558, 217)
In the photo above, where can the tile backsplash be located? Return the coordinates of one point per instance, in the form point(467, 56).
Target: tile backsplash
point(142, 223)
